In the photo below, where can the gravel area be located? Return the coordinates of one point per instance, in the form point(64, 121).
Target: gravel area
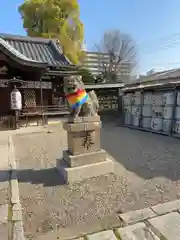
point(147, 173)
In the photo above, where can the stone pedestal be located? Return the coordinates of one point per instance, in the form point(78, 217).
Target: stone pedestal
point(84, 157)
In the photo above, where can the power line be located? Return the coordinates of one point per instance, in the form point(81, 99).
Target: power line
point(161, 40)
point(168, 43)
point(162, 47)
point(168, 63)
point(164, 42)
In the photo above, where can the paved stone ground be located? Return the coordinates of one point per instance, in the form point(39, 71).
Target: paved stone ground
point(149, 161)
point(11, 227)
point(4, 188)
point(155, 223)
point(147, 173)
point(159, 227)
point(159, 222)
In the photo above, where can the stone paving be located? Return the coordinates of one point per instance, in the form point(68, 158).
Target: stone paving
point(155, 223)
point(11, 227)
point(4, 188)
point(160, 222)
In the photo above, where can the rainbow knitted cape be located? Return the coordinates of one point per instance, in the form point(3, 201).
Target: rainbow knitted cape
point(78, 98)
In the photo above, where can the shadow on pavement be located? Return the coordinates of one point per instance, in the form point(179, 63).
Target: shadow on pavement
point(47, 177)
point(146, 154)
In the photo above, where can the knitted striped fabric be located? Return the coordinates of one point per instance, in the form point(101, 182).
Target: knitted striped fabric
point(77, 99)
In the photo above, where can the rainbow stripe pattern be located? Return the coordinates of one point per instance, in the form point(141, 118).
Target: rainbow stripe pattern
point(78, 98)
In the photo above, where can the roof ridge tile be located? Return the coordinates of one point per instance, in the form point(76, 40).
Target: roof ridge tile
point(27, 46)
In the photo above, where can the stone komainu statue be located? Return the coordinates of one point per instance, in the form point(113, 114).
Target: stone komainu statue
point(80, 102)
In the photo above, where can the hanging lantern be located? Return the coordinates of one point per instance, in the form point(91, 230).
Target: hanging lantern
point(16, 100)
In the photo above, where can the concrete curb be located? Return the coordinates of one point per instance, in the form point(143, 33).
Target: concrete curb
point(15, 208)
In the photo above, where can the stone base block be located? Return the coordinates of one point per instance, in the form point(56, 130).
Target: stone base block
point(77, 174)
point(84, 119)
point(84, 159)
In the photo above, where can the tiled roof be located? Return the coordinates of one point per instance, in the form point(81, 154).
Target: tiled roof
point(168, 74)
point(158, 79)
point(14, 54)
point(37, 49)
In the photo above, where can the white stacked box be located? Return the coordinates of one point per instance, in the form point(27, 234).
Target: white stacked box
point(127, 115)
point(127, 99)
point(177, 127)
point(136, 98)
point(168, 101)
point(136, 109)
point(146, 122)
point(177, 115)
point(156, 124)
point(157, 111)
point(127, 102)
point(147, 110)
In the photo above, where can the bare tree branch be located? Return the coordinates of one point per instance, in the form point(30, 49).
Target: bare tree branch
point(120, 48)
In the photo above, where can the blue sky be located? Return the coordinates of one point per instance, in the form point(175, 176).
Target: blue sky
point(150, 23)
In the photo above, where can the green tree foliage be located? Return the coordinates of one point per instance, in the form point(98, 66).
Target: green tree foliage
point(55, 19)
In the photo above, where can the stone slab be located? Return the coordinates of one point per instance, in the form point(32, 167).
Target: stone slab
point(138, 231)
point(11, 154)
point(84, 159)
point(4, 213)
point(4, 195)
point(84, 142)
point(167, 207)
point(4, 231)
point(84, 119)
point(17, 215)
point(80, 173)
point(137, 216)
point(4, 163)
point(18, 232)
point(168, 226)
point(4, 138)
point(17, 207)
point(82, 229)
point(105, 235)
point(14, 191)
point(81, 127)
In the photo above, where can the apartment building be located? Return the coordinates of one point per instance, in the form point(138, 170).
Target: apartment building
point(95, 62)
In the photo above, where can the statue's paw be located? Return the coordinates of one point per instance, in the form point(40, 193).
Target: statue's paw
point(77, 119)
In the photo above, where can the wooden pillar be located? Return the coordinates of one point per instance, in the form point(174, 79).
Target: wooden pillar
point(15, 115)
point(42, 110)
point(15, 107)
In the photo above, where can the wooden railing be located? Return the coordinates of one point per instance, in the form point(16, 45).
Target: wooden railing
point(5, 121)
point(55, 109)
point(43, 112)
point(45, 109)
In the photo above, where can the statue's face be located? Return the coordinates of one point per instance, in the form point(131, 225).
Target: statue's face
point(70, 85)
